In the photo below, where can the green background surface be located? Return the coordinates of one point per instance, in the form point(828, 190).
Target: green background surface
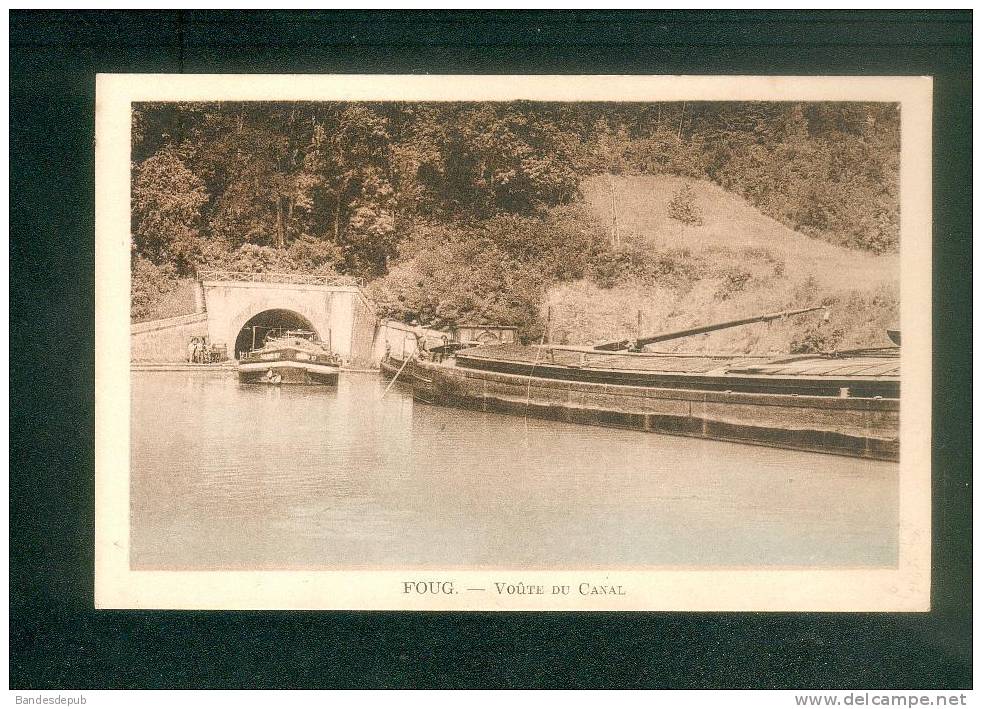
point(57, 639)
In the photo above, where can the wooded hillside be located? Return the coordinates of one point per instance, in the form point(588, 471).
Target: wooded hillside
point(473, 210)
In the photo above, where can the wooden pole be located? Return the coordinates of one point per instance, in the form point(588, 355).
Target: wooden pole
point(651, 339)
point(404, 363)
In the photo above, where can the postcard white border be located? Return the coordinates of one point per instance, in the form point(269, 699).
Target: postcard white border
point(906, 588)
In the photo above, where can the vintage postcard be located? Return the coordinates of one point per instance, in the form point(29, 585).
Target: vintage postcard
point(513, 342)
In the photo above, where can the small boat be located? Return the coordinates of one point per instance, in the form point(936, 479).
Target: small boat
point(296, 357)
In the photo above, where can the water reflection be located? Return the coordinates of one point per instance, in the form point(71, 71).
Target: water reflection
point(244, 476)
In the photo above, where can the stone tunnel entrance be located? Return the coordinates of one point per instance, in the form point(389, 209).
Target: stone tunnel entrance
point(276, 321)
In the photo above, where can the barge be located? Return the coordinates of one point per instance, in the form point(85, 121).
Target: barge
point(293, 358)
point(403, 368)
point(845, 403)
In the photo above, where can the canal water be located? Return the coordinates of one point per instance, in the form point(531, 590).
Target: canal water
point(227, 476)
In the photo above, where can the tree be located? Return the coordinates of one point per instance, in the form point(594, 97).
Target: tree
point(415, 160)
point(506, 158)
point(683, 207)
point(255, 159)
point(348, 163)
point(166, 210)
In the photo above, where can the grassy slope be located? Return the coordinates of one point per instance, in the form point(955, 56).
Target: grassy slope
point(787, 270)
point(178, 301)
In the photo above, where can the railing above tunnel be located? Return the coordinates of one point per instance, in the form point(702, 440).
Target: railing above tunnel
point(306, 279)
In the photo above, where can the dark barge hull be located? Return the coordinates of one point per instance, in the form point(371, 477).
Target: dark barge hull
point(391, 366)
point(858, 426)
point(289, 372)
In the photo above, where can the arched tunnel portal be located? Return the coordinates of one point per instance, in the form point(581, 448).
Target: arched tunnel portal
point(269, 322)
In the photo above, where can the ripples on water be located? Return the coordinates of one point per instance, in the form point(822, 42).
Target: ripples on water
point(225, 475)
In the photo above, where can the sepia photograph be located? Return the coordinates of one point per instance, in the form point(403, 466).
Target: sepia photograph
point(504, 343)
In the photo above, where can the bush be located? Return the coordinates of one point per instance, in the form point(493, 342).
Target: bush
point(683, 207)
point(820, 337)
point(491, 271)
point(734, 279)
point(459, 282)
point(250, 258)
point(314, 256)
point(305, 255)
point(149, 284)
point(676, 268)
point(612, 268)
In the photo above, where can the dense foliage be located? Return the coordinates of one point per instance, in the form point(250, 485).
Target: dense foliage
point(494, 271)
point(459, 207)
